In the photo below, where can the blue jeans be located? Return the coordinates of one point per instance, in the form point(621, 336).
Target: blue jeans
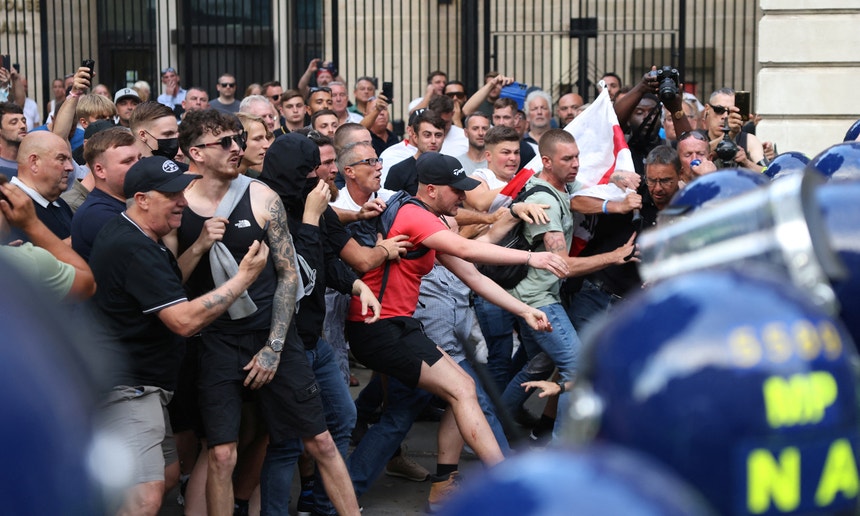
point(588, 304)
point(497, 325)
point(487, 407)
point(277, 475)
point(562, 345)
point(382, 439)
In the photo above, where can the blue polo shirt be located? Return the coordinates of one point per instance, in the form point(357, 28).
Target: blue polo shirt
point(99, 208)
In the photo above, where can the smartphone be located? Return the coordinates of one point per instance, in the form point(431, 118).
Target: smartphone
point(388, 90)
point(742, 102)
point(89, 63)
point(7, 62)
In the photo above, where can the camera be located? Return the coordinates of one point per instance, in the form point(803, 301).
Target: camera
point(670, 83)
point(726, 150)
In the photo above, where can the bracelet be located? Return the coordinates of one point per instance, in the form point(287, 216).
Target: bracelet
point(387, 254)
point(528, 258)
point(513, 213)
point(605, 204)
point(561, 386)
point(73, 95)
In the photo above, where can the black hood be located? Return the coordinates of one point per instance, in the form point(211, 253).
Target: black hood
point(288, 162)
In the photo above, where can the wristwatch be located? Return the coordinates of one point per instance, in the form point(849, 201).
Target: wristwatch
point(678, 114)
point(277, 345)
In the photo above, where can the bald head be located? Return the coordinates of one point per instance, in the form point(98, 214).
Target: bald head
point(44, 163)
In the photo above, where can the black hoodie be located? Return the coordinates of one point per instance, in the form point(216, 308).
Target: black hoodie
point(288, 162)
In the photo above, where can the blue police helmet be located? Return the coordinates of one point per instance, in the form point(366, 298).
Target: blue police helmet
point(840, 161)
point(735, 381)
point(841, 217)
point(791, 162)
point(48, 394)
point(711, 189)
point(597, 481)
point(853, 132)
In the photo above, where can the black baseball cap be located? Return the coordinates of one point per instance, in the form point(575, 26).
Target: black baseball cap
point(156, 173)
point(440, 169)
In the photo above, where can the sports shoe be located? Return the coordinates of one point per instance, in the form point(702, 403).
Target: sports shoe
point(404, 467)
point(441, 491)
point(305, 505)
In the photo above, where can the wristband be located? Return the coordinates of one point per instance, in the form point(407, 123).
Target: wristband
point(73, 95)
point(605, 204)
point(387, 254)
point(513, 213)
point(528, 258)
point(561, 386)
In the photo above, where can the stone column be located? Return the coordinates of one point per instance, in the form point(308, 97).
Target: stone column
point(807, 91)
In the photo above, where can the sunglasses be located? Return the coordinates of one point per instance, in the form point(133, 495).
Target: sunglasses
point(666, 181)
point(315, 89)
point(228, 84)
point(693, 134)
point(719, 109)
point(226, 142)
point(275, 98)
point(169, 69)
point(369, 161)
point(456, 95)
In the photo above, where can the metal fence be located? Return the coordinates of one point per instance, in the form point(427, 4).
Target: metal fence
point(558, 45)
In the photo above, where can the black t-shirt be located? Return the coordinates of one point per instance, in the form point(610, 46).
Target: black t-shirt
point(136, 279)
point(527, 153)
point(403, 176)
point(380, 145)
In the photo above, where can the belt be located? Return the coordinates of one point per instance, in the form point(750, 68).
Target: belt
point(601, 286)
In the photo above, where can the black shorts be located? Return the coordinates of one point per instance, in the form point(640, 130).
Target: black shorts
point(396, 346)
point(291, 403)
point(183, 407)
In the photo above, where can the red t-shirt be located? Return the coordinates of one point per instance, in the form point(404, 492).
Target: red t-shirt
point(404, 277)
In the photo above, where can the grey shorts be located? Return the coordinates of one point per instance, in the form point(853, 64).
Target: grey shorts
point(137, 417)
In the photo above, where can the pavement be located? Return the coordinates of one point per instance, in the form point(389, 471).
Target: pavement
point(392, 495)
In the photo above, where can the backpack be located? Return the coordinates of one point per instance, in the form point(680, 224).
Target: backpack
point(509, 276)
point(365, 231)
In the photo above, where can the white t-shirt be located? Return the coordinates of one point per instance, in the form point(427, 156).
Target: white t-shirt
point(345, 202)
point(455, 142)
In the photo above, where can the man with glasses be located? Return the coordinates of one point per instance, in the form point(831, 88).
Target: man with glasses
point(719, 109)
point(226, 101)
point(260, 106)
point(226, 212)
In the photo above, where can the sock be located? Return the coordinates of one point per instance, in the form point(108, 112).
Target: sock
point(444, 470)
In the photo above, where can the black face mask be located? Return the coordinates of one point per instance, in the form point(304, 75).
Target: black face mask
point(310, 184)
point(167, 147)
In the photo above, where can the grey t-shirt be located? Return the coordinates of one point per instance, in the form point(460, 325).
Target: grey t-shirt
point(539, 287)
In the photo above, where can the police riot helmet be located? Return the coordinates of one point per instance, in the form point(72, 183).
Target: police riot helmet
point(838, 162)
point(791, 162)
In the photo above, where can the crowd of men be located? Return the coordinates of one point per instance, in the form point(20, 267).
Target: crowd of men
point(215, 242)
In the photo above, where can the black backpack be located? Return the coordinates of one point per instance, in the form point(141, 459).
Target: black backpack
point(365, 231)
point(509, 276)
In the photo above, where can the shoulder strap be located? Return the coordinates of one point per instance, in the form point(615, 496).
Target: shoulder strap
point(525, 194)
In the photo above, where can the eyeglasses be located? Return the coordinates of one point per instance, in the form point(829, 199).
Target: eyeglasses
point(693, 134)
point(228, 84)
point(226, 142)
point(369, 161)
point(456, 94)
point(315, 89)
point(719, 109)
point(666, 181)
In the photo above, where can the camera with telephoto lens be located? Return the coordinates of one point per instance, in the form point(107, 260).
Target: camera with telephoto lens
point(726, 150)
point(670, 83)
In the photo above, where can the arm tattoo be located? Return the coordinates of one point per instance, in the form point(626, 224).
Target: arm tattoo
point(268, 359)
point(554, 242)
point(282, 253)
point(216, 301)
